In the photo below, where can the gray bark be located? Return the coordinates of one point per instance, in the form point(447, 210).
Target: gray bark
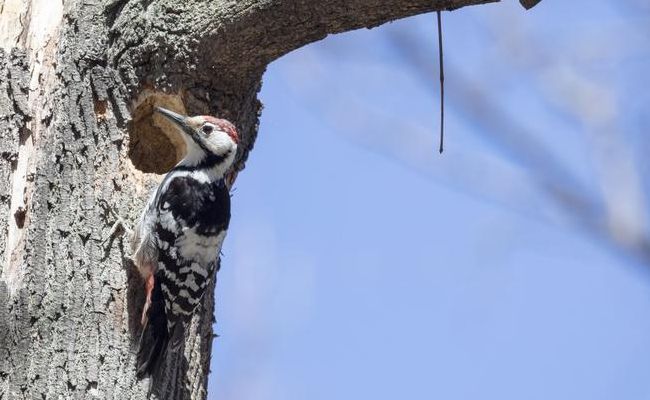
point(85, 139)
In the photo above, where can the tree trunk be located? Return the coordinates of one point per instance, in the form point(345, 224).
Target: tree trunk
point(78, 141)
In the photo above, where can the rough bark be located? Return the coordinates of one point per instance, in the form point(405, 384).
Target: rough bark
point(77, 137)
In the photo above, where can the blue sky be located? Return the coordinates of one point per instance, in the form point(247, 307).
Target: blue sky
point(362, 264)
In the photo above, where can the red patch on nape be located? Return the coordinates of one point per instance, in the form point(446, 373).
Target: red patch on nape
point(225, 126)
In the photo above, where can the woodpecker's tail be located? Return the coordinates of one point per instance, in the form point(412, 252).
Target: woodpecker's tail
point(155, 336)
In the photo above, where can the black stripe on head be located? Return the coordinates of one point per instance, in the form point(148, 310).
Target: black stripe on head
point(210, 160)
point(197, 139)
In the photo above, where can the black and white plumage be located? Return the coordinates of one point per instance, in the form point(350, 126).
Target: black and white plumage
point(178, 238)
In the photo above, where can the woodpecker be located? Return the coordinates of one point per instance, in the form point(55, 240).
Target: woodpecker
point(177, 241)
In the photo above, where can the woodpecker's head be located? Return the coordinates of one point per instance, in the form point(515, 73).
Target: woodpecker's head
point(210, 141)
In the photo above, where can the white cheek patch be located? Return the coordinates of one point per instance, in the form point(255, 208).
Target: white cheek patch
point(219, 143)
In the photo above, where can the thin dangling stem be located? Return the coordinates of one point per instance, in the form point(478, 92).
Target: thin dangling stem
point(442, 84)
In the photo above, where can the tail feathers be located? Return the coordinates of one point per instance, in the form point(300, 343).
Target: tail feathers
point(155, 336)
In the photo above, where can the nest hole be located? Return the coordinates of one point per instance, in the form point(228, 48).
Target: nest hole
point(155, 146)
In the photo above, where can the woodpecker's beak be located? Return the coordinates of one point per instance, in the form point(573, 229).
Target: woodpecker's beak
point(175, 118)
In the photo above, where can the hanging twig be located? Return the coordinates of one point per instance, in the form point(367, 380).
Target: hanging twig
point(442, 85)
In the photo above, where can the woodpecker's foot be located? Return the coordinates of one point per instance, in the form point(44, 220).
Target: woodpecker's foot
point(119, 228)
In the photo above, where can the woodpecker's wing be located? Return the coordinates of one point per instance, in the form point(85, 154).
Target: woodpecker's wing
point(143, 242)
point(144, 245)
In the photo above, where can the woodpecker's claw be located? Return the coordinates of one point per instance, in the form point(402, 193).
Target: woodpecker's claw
point(119, 226)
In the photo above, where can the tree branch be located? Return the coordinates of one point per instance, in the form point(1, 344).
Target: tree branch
point(214, 53)
point(278, 27)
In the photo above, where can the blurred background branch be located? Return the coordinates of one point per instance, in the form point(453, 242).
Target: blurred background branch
point(610, 207)
point(617, 213)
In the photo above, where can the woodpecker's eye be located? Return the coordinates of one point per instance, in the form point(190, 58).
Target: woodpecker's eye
point(207, 128)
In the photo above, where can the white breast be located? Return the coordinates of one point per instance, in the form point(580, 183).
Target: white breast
point(199, 248)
